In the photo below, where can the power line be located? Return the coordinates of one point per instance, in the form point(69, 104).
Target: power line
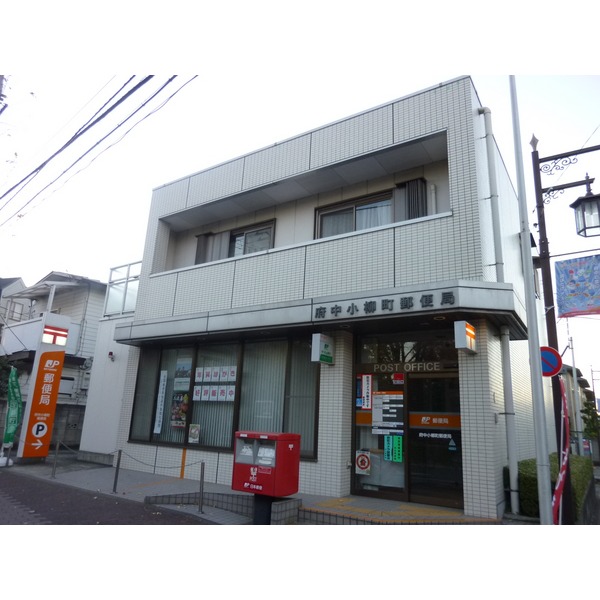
point(104, 138)
point(123, 136)
point(76, 136)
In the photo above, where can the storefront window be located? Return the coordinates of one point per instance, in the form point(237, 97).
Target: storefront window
point(301, 396)
point(263, 386)
point(214, 394)
point(202, 395)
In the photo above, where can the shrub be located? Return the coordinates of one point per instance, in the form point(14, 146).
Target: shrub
point(582, 473)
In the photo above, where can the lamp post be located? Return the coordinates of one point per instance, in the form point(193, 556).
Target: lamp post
point(587, 210)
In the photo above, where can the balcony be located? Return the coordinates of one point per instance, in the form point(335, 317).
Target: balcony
point(281, 287)
point(26, 336)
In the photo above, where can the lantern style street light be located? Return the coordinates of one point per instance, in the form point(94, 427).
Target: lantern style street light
point(587, 212)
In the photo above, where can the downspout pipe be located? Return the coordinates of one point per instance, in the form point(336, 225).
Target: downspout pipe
point(491, 147)
point(509, 409)
point(509, 414)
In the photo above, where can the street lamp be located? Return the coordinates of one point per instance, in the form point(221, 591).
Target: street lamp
point(587, 227)
point(587, 212)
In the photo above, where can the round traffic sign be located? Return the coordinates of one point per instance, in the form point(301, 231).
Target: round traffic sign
point(551, 361)
point(363, 461)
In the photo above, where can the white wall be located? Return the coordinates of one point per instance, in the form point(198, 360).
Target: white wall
point(105, 396)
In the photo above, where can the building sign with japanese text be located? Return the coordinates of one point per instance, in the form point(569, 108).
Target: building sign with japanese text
point(394, 304)
point(39, 420)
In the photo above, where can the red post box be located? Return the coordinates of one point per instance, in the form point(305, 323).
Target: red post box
point(266, 463)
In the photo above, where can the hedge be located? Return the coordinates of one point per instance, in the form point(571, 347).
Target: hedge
point(582, 473)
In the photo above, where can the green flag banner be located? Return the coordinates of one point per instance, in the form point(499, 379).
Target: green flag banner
point(14, 409)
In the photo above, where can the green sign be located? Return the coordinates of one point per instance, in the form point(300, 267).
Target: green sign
point(392, 448)
point(323, 349)
point(14, 409)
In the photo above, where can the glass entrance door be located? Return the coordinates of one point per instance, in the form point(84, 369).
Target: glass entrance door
point(434, 438)
point(406, 442)
point(379, 435)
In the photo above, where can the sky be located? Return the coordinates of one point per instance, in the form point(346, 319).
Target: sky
point(251, 75)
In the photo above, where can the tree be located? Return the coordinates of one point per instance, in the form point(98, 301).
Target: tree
point(591, 419)
point(4, 372)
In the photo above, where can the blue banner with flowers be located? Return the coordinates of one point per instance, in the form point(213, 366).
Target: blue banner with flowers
point(578, 286)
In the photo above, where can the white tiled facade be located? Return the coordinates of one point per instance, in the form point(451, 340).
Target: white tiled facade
point(451, 248)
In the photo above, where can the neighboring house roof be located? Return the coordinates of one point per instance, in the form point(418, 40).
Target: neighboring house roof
point(6, 281)
point(58, 280)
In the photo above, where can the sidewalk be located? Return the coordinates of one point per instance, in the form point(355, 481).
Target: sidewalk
point(172, 493)
point(132, 485)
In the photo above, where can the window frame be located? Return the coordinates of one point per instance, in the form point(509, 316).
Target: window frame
point(220, 248)
point(146, 403)
point(270, 225)
point(399, 206)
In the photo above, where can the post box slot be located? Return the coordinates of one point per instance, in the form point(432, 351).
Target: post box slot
point(266, 453)
point(245, 451)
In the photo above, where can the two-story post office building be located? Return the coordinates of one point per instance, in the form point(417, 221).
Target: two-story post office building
point(360, 284)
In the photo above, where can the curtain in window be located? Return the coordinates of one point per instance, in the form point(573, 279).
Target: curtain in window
point(212, 246)
point(263, 386)
point(374, 214)
point(416, 199)
point(338, 222)
point(301, 402)
point(145, 395)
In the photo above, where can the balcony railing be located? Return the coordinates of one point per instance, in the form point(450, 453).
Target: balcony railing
point(26, 336)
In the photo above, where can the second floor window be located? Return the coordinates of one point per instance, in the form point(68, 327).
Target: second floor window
point(407, 201)
point(249, 240)
point(228, 244)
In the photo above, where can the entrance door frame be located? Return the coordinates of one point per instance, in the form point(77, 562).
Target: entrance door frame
point(405, 495)
point(427, 499)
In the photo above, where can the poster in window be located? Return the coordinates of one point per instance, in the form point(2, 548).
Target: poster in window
point(179, 410)
point(197, 395)
point(160, 401)
point(183, 374)
point(367, 387)
point(388, 412)
point(213, 393)
point(199, 375)
point(230, 393)
point(205, 393)
point(194, 434)
point(232, 373)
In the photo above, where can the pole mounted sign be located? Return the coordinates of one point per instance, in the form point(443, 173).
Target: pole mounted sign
point(39, 415)
point(551, 361)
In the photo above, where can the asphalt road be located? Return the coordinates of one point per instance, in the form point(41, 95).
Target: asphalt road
point(28, 500)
